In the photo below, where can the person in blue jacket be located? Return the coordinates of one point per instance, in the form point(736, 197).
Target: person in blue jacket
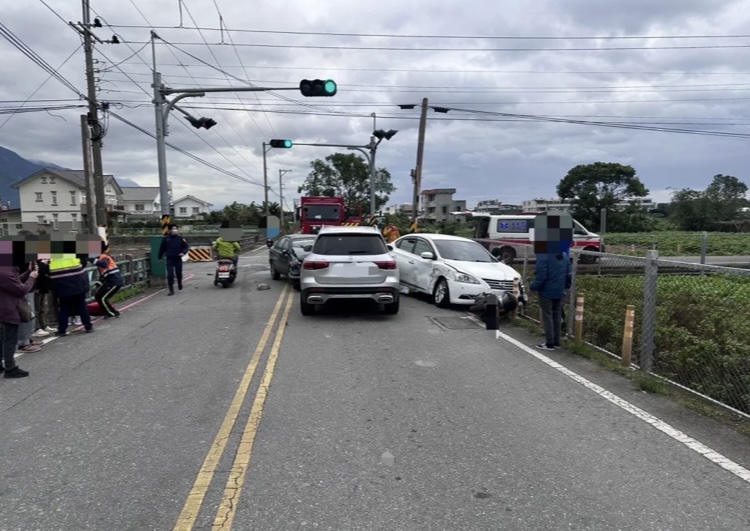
point(553, 276)
point(174, 247)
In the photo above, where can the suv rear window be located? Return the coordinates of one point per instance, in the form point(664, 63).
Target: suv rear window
point(345, 244)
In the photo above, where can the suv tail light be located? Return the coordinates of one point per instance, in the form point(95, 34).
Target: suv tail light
point(389, 264)
point(314, 265)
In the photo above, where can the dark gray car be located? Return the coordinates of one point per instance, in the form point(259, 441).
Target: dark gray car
point(286, 256)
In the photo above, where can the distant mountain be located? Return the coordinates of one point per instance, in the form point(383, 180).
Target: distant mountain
point(127, 182)
point(13, 168)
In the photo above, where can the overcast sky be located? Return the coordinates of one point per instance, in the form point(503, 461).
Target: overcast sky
point(703, 85)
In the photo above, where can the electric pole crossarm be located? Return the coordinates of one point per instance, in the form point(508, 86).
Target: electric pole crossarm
point(168, 91)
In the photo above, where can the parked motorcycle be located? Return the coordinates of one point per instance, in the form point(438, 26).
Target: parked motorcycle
point(226, 272)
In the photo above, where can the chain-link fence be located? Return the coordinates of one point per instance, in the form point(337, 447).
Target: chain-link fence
point(691, 321)
point(680, 244)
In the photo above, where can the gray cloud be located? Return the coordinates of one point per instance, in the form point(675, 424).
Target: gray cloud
point(483, 155)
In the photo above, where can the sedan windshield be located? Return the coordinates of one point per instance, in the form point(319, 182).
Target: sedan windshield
point(462, 251)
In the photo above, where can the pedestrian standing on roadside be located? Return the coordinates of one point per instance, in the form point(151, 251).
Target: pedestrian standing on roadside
point(14, 286)
point(174, 247)
point(553, 276)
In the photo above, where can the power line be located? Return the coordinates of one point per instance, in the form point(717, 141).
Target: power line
point(423, 36)
point(424, 49)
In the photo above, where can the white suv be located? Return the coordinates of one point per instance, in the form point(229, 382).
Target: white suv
point(349, 263)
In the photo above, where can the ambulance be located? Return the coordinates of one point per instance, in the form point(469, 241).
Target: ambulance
point(509, 236)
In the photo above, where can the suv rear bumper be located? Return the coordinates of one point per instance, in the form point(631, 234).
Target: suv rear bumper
point(385, 295)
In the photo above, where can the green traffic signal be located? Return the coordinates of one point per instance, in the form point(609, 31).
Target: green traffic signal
point(318, 88)
point(277, 143)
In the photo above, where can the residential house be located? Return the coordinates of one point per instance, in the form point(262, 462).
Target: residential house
point(53, 200)
point(190, 207)
point(545, 205)
point(141, 203)
point(403, 208)
point(495, 207)
point(10, 221)
point(438, 204)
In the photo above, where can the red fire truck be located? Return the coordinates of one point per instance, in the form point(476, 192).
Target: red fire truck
point(317, 211)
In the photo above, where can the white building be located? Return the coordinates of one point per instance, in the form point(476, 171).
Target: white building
point(56, 200)
point(545, 205)
point(190, 207)
point(141, 202)
point(10, 221)
point(403, 208)
point(438, 205)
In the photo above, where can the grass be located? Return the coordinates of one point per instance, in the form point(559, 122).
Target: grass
point(678, 243)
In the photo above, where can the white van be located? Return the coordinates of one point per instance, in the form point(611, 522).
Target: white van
point(508, 236)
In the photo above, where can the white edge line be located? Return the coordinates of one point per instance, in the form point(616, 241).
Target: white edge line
point(712, 455)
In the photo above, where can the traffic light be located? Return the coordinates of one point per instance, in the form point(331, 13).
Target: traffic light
point(317, 87)
point(206, 123)
point(276, 143)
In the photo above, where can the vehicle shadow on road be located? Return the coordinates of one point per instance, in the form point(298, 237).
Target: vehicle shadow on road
point(358, 310)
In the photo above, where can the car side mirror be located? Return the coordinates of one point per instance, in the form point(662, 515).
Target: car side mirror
point(307, 248)
point(427, 255)
point(390, 247)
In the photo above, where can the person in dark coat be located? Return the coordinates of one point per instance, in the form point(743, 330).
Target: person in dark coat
point(553, 277)
point(14, 286)
point(174, 247)
point(70, 281)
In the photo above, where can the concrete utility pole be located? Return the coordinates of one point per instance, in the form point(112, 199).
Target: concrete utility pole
point(90, 221)
point(281, 198)
point(93, 118)
point(417, 175)
point(265, 180)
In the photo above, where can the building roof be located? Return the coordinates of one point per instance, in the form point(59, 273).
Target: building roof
point(140, 193)
point(439, 191)
point(75, 177)
point(193, 198)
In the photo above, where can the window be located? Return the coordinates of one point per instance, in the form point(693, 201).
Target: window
point(40, 220)
point(350, 244)
point(445, 210)
point(74, 223)
point(83, 197)
point(54, 198)
point(44, 180)
point(55, 221)
point(39, 197)
point(183, 210)
point(52, 180)
point(139, 207)
point(321, 213)
point(281, 244)
point(196, 210)
point(514, 225)
point(73, 198)
point(407, 244)
point(422, 247)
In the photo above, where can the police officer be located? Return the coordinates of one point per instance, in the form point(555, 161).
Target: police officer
point(174, 247)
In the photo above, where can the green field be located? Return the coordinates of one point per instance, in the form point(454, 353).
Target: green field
point(678, 243)
point(702, 338)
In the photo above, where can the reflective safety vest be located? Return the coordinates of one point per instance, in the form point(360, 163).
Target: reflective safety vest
point(110, 269)
point(64, 267)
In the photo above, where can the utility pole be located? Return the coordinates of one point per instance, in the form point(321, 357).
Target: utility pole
point(90, 221)
point(417, 174)
point(281, 198)
point(373, 148)
point(265, 180)
point(93, 119)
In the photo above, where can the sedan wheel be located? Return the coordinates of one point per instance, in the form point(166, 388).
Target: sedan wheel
point(441, 295)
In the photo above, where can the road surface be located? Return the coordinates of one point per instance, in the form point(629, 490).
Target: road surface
point(173, 417)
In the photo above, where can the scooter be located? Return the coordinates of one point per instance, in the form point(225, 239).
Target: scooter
point(226, 273)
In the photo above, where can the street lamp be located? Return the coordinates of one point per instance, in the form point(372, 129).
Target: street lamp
point(281, 198)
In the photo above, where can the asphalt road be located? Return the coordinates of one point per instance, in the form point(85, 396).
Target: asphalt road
point(349, 420)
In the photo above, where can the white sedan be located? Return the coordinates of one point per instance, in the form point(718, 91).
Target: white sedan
point(452, 269)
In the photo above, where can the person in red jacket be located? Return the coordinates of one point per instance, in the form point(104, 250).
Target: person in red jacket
point(14, 286)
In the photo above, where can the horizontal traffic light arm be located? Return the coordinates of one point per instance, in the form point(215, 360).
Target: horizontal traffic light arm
point(167, 91)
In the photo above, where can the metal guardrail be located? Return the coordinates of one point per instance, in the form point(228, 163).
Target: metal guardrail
point(137, 271)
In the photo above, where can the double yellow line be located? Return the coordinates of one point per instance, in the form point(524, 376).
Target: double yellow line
point(235, 482)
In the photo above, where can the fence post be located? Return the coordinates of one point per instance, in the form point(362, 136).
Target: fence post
point(579, 317)
point(704, 247)
point(648, 319)
point(516, 294)
point(627, 336)
point(572, 295)
point(129, 270)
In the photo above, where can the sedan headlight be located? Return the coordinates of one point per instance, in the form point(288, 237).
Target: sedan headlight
point(466, 279)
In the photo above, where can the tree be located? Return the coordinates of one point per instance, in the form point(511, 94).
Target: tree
point(348, 176)
point(593, 187)
point(718, 204)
